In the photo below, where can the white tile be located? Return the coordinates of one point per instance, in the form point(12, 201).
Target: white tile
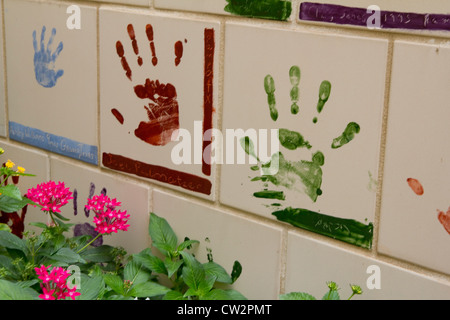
point(343, 187)
point(416, 148)
point(134, 198)
point(228, 239)
point(136, 139)
point(52, 84)
point(209, 6)
point(312, 263)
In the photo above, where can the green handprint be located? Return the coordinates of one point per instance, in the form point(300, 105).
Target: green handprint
point(304, 175)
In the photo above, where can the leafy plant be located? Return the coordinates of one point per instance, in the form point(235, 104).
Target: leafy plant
point(190, 279)
point(331, 294)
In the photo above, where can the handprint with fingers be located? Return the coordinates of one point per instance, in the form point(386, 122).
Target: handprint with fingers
point(304, 175)
point(161, 109)
point(44, 60)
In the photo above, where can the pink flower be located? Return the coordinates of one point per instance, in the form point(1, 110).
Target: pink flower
point(50, 195)
point(107, 218)
point(47, 295)
point(54, 284)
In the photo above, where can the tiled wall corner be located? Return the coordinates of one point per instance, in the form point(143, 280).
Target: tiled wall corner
point(2, 79)
point(312, 263)
point(53, 81)
point(36, 163)
point(414, 220)
point(319, 168)
point(158, 99)
point(227, 236)
point(135, 198)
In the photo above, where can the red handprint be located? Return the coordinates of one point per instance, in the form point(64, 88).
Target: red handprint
point(162, 109)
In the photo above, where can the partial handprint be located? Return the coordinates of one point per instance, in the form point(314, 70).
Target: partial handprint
point(44, 60)
point(304, 175)
point(162, 106)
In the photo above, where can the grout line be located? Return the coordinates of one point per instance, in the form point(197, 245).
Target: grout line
point(4, 75)
point(283, 261)
point(382, 150)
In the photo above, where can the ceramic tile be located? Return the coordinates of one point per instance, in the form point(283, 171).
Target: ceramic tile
point(209, 6)
point(34, 162)
point(2, 81)
point(158, 97)
point(312, 263)
point(134, 198)
point(414, 219)
point(324, 95)
point(144, 3)
point(227, 237)
point(431, 17)
point(52, 78)
point(273, 10)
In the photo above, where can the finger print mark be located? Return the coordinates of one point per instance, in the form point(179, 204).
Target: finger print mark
point(118, 115)
point(178, 52)
point(149, 32)
point(324, 94)
point(415, 186)
point(132, 35)
point(346, 136)
point(294, 75)
point(269, 87)
point(123, 60)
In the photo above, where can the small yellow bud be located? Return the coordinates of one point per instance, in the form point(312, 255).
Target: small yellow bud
point(21, 169)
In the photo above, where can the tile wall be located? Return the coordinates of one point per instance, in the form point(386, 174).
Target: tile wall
point(295, 137)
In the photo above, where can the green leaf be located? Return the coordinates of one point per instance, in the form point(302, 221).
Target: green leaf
point(59, 216)
point(114, 282)
point(5, 227)
point(147, 289)
point(11, 241)
point(172, 266)
point(134, 272)
point(161, 232)
point(91, 287)
point(194, 276)
point(297, 296)
point(8, 204)
point(216, 270)
point(98, 254)
point(221, 294)
point(174, 295)
point(13, 291)
point(185, 244)
point(236, 271)
point(66, 255)
point(11, 191)
point(149, 261)
point(331, 295)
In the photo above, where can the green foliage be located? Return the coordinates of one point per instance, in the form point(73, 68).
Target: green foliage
point(190, 279)
point(332, 293)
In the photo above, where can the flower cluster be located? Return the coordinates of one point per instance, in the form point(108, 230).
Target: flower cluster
point(54, 283)
point(107, 218)
point(50, 195)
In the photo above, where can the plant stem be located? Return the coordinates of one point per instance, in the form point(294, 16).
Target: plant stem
point(96, 237)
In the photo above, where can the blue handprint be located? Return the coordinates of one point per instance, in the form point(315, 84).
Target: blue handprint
point(44, 60)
